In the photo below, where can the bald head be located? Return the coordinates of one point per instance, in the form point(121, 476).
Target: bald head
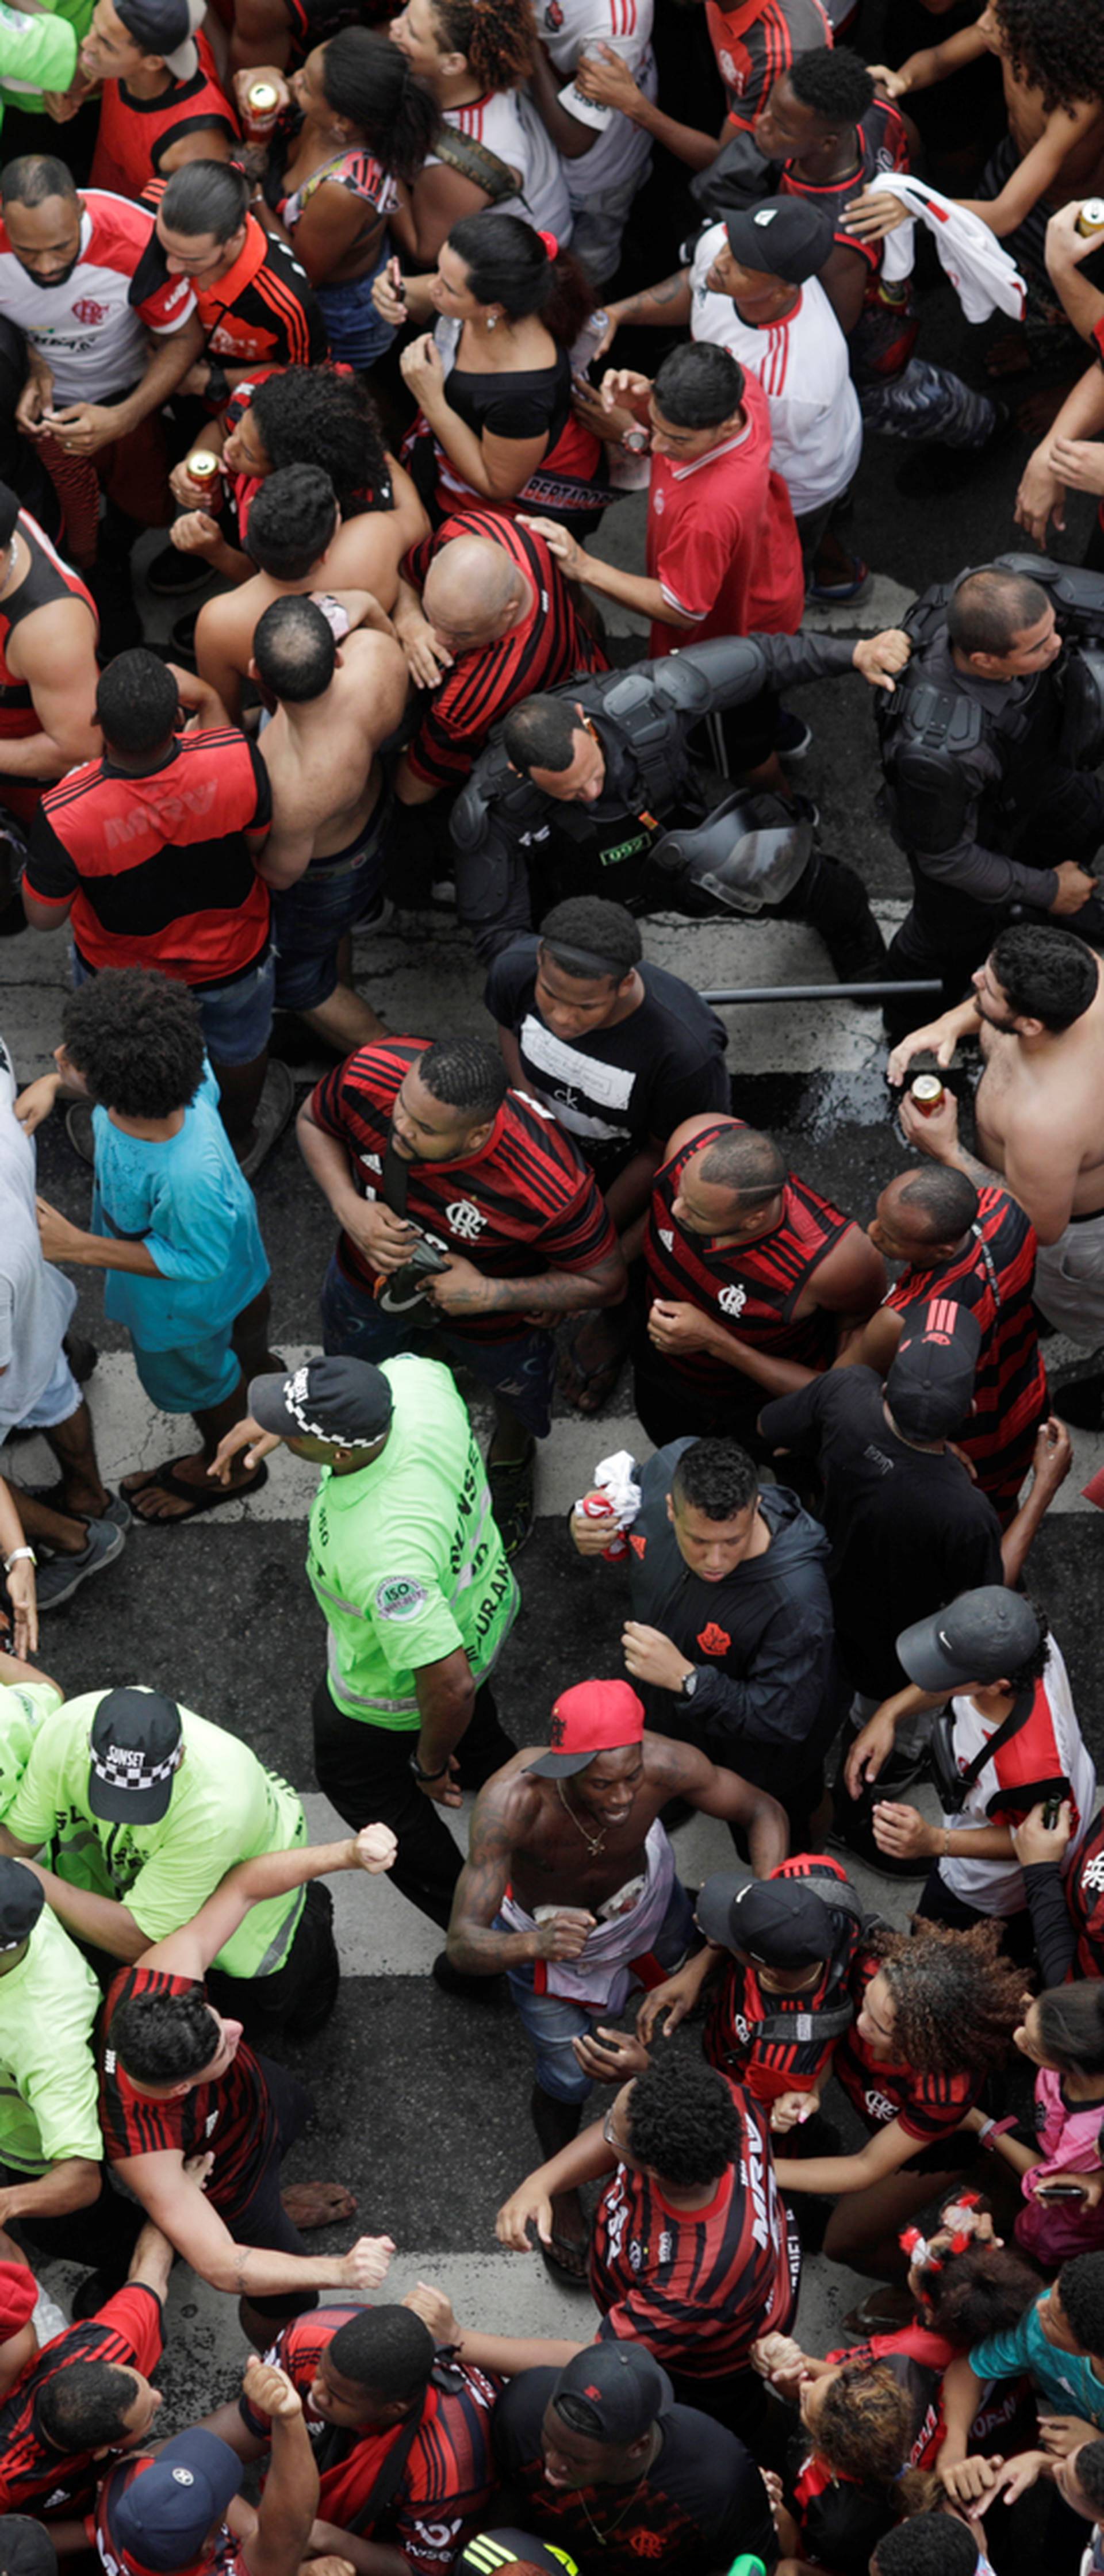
point(474, 592)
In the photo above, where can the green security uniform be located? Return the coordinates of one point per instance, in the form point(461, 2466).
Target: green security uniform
point(405, 1560)
point(48, 2086)
point(225, 1807)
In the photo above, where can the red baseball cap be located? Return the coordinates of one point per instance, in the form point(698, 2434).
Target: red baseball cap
point(591, 1718)
point(18, 2299)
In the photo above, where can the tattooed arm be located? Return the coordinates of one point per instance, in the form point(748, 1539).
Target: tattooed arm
point(668, 303)
point(504, 1814)
point(202, 2239)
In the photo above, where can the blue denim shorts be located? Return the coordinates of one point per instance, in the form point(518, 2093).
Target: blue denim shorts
point(237, 1017)
point(312, 917)
point(553, 2021)
point(522, 1371)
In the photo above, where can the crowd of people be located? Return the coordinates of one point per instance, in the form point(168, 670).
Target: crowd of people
point(365, 310)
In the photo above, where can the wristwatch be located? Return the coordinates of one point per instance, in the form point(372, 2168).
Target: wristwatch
point(689, 1683)
point(425, 1776)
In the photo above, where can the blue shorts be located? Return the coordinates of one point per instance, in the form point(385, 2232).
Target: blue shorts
point(192, 1380)
point(358, 334)
point(237, 1017)
point(312, 917)
point(522, 1371)
point(553, 2021)
point(56, 1403)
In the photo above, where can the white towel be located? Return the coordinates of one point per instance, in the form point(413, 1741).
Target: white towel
point(983, 274)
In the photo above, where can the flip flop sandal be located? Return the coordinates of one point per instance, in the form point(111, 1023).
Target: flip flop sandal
point(166, 1480)
point(603, 1376)
point(563, 2265)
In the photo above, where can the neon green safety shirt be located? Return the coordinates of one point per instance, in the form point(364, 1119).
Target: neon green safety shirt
point(224, 1807)
point(405, 1559)
point(23, 1705)
point(48, 2084)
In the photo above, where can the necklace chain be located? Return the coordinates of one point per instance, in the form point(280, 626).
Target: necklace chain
point(594, 1842)
point(602, 2537)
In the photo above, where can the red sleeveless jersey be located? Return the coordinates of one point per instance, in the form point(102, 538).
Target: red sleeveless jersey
point(48, 579)
point(993, 1275)
point(136, 132)
point(753, 1288)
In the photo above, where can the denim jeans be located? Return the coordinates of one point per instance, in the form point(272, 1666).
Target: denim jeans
point(553, 2021)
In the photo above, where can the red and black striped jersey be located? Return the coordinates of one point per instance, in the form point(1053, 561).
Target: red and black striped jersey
point(135, 133)
point(840, 2519)
point(929, 2107)
point(264, 313)
point(882, 141)
point(448, 2476)
point(548, 643)
point(34, 2477)
point(222, 2558)
point(736, 2006)
point(751, 1288)
point(522, 1205)
point(1006, 2421)
point(993, 1274)
point(755, 43)
point(157, 867)
point(697, 2286)
point(1085, 1899)
point(233, 2118)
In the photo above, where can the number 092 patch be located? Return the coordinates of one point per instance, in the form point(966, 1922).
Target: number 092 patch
point(400, 1597)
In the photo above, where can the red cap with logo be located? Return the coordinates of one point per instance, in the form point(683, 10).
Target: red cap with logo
point(591, 1718)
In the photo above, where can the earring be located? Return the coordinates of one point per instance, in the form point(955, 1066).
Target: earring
point(492, 318)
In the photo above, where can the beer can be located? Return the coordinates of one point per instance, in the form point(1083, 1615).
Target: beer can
point(262, 107)
point(1090, 217)
point(927, 1091)
point(595, 1508)
point(205, 468)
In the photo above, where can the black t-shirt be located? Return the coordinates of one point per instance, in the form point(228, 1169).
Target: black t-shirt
point(534, 402)
point(701, 2503)
point(614, 1088)
point(908, 1529)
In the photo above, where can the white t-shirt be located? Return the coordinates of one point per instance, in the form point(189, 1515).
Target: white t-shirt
point(802, 365)
point(36, 1301)
point(510, 128)
point(92, 328)
point(1048, 1750)
point(569, 28)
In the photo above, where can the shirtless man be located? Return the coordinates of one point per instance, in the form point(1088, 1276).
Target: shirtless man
point(323, 858)
point(1038, 1009)
point(570, 1886)
point(297, 544)
point(48, 670)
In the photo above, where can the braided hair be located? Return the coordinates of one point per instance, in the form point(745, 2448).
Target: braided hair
point(497, 37)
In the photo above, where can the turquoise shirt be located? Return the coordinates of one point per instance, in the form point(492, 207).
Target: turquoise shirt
point(1066, 2379)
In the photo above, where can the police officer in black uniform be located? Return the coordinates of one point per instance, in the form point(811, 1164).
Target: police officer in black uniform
point(990, 748)
point(623, 746)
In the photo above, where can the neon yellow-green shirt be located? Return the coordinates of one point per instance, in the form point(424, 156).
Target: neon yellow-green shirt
point(48, 2086)
point(224, 1807)
point(23, 1705)
point(405, 1560)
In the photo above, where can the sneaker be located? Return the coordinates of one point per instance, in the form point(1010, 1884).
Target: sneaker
point(61, 1576)
point(172, 574)
point(511, 1483)
point(794, 738)
point(78, 1128)
point(275, 1110)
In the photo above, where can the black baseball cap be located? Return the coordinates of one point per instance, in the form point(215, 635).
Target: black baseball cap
point(618, 2386)
point(26, 2548)
point(780, 1922)
point(136, 1737)
point(165, 27)
point(782, 237)
point(22, 1898)
point(163, 2516)
point(494, 2553)
point(930, 1384)
point(347, 1402)
point(981, 1637)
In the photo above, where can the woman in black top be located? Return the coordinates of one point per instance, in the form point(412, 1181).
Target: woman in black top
point(494, 380)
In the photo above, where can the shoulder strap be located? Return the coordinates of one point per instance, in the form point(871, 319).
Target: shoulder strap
point(822, 2022)
point(1017, 1717)
point(474, 161)
point(382, 2495)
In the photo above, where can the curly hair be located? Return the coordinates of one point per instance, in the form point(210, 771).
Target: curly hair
point(304, 413)
point(929, 2544)
point(165, 2039)
point(716, 1477)
point(864, 2430)
point(983, 2291)
point(1080, 2287)
point(956, 1998)
point(137, 1038)
point(498, 37)
point(465, 1073)
point(682, 2122)
point(1051, 46)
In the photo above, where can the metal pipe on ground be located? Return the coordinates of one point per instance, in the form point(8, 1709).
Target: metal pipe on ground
point(816, 992)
